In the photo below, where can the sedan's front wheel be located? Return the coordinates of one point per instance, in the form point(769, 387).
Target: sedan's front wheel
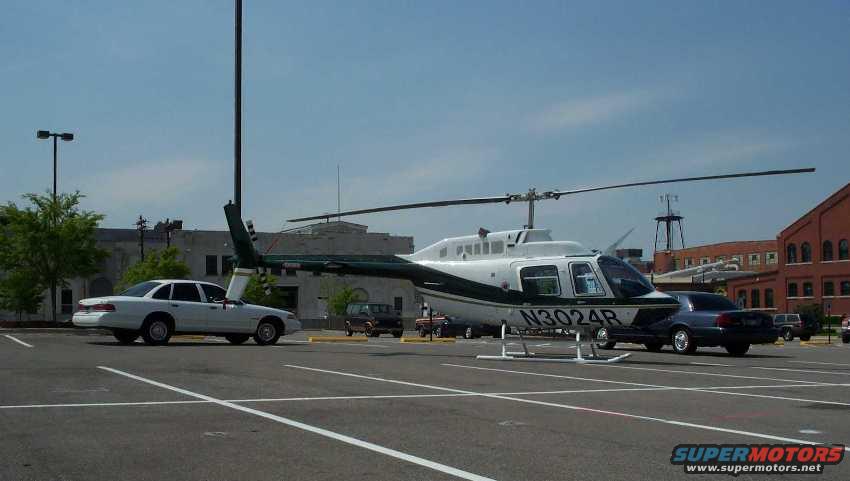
point(125, 336)
point(156, 331)
point(683, 342)
point(468, 333)
point(787, 334)
point(602, 339)
point(268, 332)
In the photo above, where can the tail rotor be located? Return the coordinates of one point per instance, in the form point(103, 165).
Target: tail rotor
point(261, 270)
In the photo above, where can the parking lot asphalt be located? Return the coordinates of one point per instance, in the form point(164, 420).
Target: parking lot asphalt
point(79, 407)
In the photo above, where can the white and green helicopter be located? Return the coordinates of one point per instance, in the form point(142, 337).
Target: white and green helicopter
point(517, 278)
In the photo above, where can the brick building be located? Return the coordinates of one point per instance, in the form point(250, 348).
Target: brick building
point(755, 256)
point(814, 263)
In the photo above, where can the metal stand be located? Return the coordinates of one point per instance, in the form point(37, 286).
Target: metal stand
point(525, 355)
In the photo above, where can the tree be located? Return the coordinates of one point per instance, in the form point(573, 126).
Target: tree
point(48, 243)
point(340, 300)
point(20, 293)
point(157, 265)
point(255, 294)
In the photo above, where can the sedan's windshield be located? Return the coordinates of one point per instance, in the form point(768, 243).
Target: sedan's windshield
point(711, 302)
point(140, 289)
point(624, 279)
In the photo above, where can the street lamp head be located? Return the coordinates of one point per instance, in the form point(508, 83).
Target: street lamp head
point(43, 134)
point(67, 137)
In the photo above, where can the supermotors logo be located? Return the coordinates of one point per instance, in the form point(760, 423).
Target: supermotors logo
point(735, 459)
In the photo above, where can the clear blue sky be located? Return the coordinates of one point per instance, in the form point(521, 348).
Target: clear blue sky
point(433, 99)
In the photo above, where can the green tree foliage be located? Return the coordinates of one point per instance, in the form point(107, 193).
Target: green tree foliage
point(254, 293)
point(48, 243)
point(20, 293)
point(339, 300)
point(157, 265)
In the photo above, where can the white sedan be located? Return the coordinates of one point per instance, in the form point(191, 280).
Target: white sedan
point(157, 309)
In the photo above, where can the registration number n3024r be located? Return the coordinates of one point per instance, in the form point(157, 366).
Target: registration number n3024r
point(569, 317)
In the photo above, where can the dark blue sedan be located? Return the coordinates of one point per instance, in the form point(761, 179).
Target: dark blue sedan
point(703, 320)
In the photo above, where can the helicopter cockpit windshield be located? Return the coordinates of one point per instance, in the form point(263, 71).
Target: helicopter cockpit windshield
point(625, 280)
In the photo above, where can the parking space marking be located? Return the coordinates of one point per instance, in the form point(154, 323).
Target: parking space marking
point(711, 364)
point(17, 340)
point(107, 404)
point(823, 363)
point(803, 370)
point(695, 373)
point(658, 387)
point(575, 408)
point(312, 429)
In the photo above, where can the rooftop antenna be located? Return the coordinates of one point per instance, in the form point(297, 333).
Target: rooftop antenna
point(668, 217)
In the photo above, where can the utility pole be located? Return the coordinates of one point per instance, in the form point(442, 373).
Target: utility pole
point(237, 111)
point(141, 226)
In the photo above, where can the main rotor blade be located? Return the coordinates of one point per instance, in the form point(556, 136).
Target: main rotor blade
point(685, 179)
point(416, 205)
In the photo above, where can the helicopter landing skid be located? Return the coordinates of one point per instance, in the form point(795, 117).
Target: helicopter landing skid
point(526, 355)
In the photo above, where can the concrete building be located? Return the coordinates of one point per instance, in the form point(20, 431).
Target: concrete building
point(207, 253)
point(755, 256)
point(814, 263)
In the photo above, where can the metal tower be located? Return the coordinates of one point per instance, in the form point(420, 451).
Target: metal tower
point(669, 217)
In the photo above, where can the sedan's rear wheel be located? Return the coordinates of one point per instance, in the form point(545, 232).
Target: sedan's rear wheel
point(237, 338)
point(653, 346)
point(737, 349)
point(468, 333)
point(156, 331)
point(683, 341)
point(602, 339)
point(438, 332)
point(125, 336)
point(348, 331)
point(268, 332)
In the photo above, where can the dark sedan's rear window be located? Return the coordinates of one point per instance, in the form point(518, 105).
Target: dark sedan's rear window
point(711, 302)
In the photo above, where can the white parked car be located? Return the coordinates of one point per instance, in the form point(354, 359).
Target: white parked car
point(157, 309)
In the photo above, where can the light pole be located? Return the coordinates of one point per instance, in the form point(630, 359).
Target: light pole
point(46, 134)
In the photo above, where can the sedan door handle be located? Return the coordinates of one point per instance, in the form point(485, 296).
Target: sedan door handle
point(175, 305)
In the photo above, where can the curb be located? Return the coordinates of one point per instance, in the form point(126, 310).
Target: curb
point(56, 330)
point(336, 339)
point(425, 340)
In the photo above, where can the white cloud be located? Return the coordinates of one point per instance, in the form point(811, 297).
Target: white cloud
point(716, 150)
point(589, 111)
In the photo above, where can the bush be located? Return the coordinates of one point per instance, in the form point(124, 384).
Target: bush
point(157, 265)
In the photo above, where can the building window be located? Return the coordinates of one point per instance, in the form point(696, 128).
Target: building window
point(792, 290)
point(742, 299)
point(768, 298)
point(808, 290)
point(806, 252)
point(275, 271)
point(67, 301)
point(688, 262)
point(704, 260)
point(755, 259)
point(845, 288)
point(770, 258)
point(226, 265)
point(291, 273)
point(826, 255)
point(720, 259)
point(212, 265)
point(755, 299)
point(828, 288)
point(737, 258)
point(842, 250)
point(398, 303)
point(792, 254)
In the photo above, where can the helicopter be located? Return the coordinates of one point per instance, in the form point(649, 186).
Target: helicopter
point(518, 279)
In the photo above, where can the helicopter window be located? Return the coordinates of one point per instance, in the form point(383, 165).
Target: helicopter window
point(468, 249)
point(486, 248)
point(540, 281)
point(477, 249)
point(459, 250)
point(444, 252)
point(585, 282)
point(497, 247)
point(625, 281)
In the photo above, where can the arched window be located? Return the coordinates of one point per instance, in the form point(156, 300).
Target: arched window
point(842, 250)
point(768, 297)
point(792, 254)
point(792, 290)
point(755, 299)
point(806, 252)
point(826, 255)
point(808, 290)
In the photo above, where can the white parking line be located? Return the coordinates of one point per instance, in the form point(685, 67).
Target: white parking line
point(824, 363)
point(575, 408)
point(803, 370)
point(657, 387)
point(696, 373)
point(17, 340)
point(313, 429)
point(711, 364)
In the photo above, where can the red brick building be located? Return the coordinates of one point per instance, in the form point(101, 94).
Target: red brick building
point(814, 263)
point(757, 256)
